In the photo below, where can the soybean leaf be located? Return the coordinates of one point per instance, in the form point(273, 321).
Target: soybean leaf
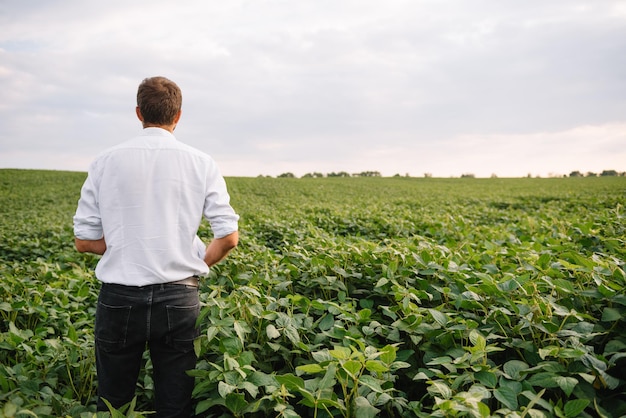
point(396, 365)
point(225, 389)
point(230, 345)
point(236, 403)
point(353, 367)
point(321, 356)
point(292, 334)
point(388, 354)
point(327, 322)
point(566, 383)
point(310, 368)
point(261, 379)
point(440, 388)
point(290, 413)
point(376, 366)
point(363, 408)
point(487, 378)
point(575, 407)
point(272, 332)
point(211, 333)
point(439, 317)
point(507, 397)
point(477, 340)
point(251, 388)
point(290, 381)
point(514, 369)
point(340, 353)
point(611, 314)
point(372, 383)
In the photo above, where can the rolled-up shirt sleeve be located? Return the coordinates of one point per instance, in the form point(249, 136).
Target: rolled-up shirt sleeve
point(217, 208)
point(87, 220)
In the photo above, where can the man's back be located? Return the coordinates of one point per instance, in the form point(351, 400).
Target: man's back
point(152, 192)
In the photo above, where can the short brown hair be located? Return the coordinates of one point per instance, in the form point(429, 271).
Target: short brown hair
point(159, 100)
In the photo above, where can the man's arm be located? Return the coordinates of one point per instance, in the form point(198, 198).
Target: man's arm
point(219, 248)
point(98, 246)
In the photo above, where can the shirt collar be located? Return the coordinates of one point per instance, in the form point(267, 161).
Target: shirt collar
point(154, 131)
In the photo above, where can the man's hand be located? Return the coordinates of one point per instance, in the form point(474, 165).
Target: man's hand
point(90, 246)
point(219, 248)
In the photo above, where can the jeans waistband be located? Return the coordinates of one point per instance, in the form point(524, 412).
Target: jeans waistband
point(188, 281)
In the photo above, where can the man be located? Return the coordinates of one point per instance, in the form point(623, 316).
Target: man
point(140, 208)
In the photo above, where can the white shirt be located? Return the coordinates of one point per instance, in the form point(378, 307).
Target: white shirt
point(147, 197)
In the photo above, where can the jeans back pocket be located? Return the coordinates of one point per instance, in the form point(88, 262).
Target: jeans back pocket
point(182, 330)
point(111, 329)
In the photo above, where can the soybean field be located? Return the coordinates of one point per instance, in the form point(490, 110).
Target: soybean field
point(349, 297)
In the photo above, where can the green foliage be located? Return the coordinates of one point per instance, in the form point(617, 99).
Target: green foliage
point(349, 297)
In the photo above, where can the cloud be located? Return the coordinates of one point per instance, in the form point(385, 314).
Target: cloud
point(351, 85)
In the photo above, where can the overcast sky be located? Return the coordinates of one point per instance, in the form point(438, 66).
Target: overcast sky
point(446, 87)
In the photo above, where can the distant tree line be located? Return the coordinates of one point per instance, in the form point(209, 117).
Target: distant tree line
point(605, 173)
point(333, 174)
point(316, 174)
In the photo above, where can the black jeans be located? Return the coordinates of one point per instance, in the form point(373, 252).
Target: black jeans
point(163, 316)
